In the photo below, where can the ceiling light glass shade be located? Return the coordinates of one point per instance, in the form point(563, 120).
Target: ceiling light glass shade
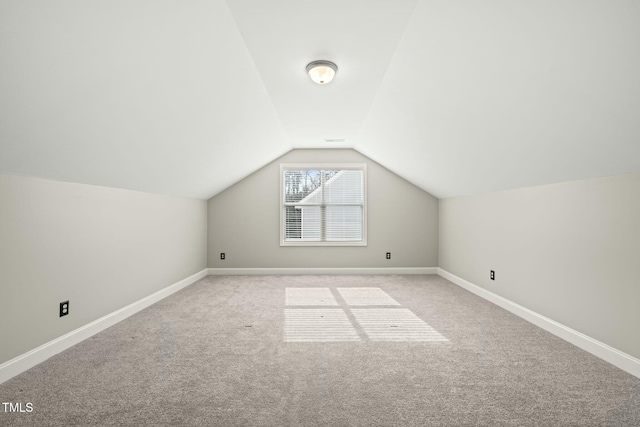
point(322, 72)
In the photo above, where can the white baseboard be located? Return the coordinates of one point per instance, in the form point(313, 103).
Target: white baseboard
point(28, 360)
point(300, 271)
point(607, 353)
point(31, 358)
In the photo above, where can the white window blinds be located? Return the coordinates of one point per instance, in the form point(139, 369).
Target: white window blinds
point(323, 205)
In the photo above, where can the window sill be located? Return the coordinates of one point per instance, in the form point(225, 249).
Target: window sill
point(320, 244)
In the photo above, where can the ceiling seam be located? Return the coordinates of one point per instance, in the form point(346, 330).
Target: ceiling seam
point(246, 48)
point(386, 72)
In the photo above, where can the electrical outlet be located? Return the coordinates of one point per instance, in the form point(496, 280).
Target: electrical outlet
point(64, 308)
point(388, 255)
point(492, 275)
point(222, 255)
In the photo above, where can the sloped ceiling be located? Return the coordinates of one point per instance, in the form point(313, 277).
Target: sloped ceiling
point(283, 36)
point(491, 95)
point(188, 97)
point(153, 95)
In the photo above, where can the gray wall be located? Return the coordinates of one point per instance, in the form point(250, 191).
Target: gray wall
point(402, 219)
point(100, 248)
point(568, 251)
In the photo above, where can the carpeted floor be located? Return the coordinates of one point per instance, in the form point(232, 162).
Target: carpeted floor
point(215, 354)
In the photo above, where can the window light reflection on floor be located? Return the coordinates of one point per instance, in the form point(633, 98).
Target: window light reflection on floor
point(309, 296)
point(366, 296)
point(394, 324)
point(318, 325)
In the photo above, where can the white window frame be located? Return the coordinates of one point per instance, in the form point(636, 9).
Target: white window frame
point(323, 166)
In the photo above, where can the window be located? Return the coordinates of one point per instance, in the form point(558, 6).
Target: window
point(323, 205)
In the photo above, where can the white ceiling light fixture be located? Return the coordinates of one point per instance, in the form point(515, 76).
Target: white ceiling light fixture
point(322, 72)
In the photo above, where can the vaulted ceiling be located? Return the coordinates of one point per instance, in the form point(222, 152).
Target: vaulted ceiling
point(188, 97)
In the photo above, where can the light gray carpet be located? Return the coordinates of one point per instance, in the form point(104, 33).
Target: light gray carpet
point(214, 355)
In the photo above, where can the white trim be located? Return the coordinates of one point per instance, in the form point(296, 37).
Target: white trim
point(301, 271)
point(605, 352)
point(39, 354)
point(321, 166)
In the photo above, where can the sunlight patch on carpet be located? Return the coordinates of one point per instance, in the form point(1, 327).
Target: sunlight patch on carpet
point(366, 296)
point(394, 324)
point(318, 325)
point(309, 296)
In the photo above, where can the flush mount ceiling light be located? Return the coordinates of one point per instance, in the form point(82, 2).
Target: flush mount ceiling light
point(322, 72)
